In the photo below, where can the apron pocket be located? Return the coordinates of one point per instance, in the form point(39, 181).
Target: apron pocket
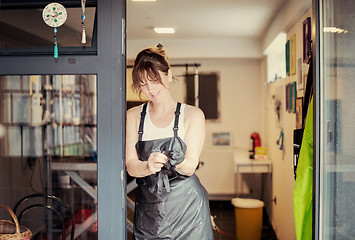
point(151, 217)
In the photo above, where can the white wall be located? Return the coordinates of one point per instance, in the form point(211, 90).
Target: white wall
point(283, 181)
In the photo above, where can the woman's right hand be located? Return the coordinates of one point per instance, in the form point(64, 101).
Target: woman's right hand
point(156, 161)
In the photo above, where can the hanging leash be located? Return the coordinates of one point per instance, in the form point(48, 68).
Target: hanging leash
point(216, 228)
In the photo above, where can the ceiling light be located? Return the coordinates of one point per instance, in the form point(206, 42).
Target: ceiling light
point(164, 30)
point(330, 29)
point(334, 30)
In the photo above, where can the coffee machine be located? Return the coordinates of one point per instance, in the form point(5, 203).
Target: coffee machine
point(255, 142)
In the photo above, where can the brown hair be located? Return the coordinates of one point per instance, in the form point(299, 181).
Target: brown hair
point(147, 64)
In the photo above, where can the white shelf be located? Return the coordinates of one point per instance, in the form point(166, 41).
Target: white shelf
point(74, 166)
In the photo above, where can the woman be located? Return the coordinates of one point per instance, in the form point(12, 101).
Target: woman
point(163, 145)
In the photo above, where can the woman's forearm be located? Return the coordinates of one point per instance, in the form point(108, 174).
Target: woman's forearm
point(187, 167)
point(137, 168)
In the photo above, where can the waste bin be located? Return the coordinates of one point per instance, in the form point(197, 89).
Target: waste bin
point(248, 218)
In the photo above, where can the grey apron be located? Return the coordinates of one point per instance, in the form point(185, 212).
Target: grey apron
point(169, 205)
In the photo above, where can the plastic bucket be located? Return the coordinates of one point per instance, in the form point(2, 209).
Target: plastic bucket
point(248, 218)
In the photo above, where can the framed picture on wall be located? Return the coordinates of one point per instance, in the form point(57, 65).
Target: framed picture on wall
point(307, 36)
point(293, 92)
point(299, 105)
point(300, 72)
point(287, 57)
point(221, 139)
point(290, 97)
point(293, 54)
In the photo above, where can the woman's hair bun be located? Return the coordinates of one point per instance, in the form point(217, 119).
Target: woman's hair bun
point(160, 51)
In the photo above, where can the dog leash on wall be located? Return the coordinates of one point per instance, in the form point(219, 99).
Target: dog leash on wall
point(216, 228)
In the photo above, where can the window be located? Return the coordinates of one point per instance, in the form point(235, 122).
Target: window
point(22, 30)
point(207, 94)
point(275, 53)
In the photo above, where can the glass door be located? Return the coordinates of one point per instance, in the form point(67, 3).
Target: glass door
point(336, 111)
point(50, 119)
point(48, 153)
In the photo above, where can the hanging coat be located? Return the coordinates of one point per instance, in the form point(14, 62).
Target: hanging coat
point(303, 190)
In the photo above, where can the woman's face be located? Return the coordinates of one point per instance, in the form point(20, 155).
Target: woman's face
point(155, 90)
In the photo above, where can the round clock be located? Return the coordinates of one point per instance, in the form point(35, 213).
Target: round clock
point(54, 14)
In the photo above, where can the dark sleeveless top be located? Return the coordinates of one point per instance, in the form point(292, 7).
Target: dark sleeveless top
point(169, 205)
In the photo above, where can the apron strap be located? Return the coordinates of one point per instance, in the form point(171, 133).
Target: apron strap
point(141, 123)
point(176, 123)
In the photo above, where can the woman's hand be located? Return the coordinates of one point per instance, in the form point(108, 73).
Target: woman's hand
point(156, 161)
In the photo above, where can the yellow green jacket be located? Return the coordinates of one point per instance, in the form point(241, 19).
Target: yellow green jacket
point(303, 191)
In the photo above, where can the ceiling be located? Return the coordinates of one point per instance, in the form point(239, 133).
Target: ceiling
point(192, 19)
point(239, 28)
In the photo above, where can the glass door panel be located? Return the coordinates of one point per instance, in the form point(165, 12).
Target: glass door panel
point(48, 146)
point(337, 114)
point(23, 28)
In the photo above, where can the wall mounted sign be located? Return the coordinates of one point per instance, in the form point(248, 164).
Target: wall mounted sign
point(293, 54)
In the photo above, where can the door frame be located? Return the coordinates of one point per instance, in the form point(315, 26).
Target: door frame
point(316, 116)
point(109, 64)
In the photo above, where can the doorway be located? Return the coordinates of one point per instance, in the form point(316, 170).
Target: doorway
point(44, 76)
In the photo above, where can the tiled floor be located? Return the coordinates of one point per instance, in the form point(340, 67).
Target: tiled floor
point(225, 220)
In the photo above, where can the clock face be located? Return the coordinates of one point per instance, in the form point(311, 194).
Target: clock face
point(54, 15)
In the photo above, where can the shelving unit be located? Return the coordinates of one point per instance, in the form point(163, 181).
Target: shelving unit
point(52, 119)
